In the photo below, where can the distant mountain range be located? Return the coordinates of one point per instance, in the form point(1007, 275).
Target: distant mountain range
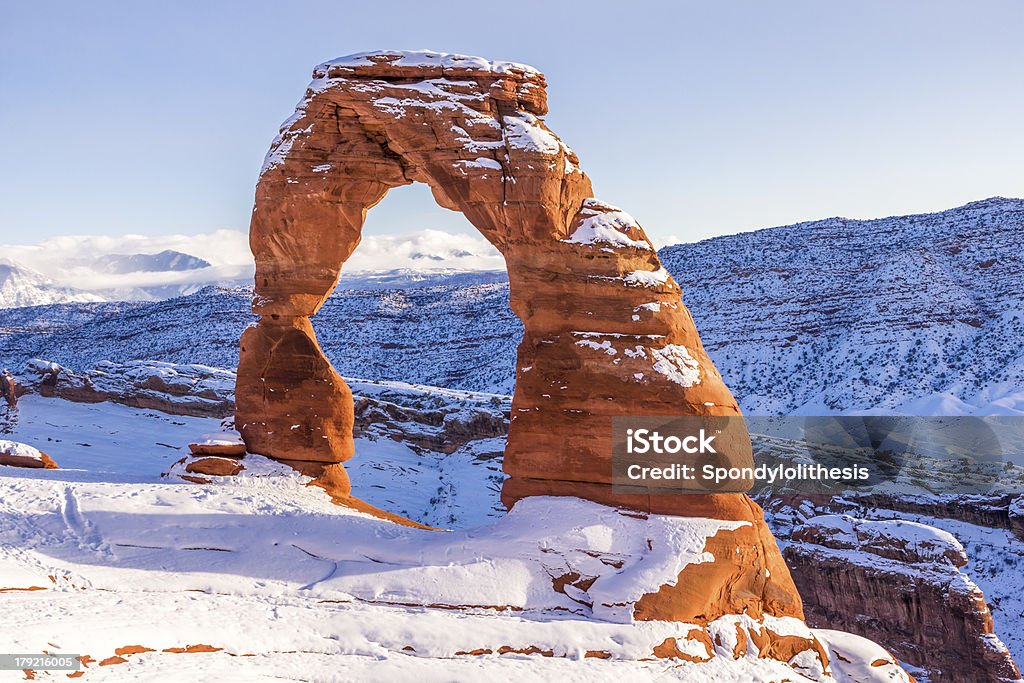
point(23, 286)
point(170, 274)
point(917, 314)
point(406, 278)
point(20, 286)
point(167, 260)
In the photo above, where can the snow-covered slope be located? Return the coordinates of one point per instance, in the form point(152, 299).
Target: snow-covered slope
point(405, 278)
point(461, 337)
point(20, 286)
point(920, 314)
point(260, 577)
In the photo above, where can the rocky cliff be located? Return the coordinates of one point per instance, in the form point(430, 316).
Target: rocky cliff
point(904, 582)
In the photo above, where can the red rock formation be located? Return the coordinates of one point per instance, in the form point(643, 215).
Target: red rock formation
point(225, 450)
point(215, 467)
point(899, 583)
point(225, 443)
point(14, 454)
point(605, 332)
point(176, 389)
point(9, 409)
point(8, 388)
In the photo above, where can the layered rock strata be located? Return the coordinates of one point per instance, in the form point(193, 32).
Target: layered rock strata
point(196, 390)
point(901, 583)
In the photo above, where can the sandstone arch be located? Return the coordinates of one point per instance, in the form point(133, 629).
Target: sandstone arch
point(605, 332)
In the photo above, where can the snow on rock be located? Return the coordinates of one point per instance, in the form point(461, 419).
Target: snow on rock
point(481, 162)
point(219, 438)
point(856, 659)
point(672, 361)
point(1017, 507)
point(646, 278)
point(675, 362)
point(604, 346)
point(604, 224)
point(524, 131)
point(282, 145)
point(435, 81)
point(518, 563)
point(419, 59)
point(178, 389)
point(14, 454)
point(895, 539)
point(226, 441)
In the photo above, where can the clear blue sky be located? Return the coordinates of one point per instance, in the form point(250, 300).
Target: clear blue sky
point(698, 118)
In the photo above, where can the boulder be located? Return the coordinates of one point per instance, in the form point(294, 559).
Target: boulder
point(14, 454)
point(215, 467)
point(224, 443)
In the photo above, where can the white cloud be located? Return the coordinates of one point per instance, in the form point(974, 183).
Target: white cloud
point(425, 250)
point(664, 241)
point(68, 260)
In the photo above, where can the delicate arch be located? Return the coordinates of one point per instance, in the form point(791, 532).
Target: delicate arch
point(605, 332)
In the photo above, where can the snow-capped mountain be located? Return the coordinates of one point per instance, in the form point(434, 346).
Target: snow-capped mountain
point(21, 286)
point(166, 260)
point(916, 314)
point(129, 268)
point(114, 277)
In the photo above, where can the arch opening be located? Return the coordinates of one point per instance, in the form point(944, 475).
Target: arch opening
point(456, 335)
point(432, 398)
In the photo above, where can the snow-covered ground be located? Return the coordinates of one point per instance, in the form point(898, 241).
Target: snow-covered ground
point(105, 554)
